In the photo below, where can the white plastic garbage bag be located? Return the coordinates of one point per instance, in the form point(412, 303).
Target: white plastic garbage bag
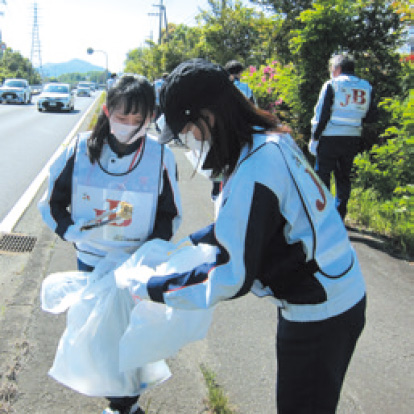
point(157, 331)
point(60, 290)
point(113, 346)
point(87, 358)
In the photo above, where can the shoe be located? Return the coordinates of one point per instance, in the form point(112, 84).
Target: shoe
point(135, 409)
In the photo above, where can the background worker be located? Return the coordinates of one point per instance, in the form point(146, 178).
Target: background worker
point(235, 69)
point(111, 81)
point(345, 103)
point(157, 88)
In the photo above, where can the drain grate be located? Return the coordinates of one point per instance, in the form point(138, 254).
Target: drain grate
point(16, 243)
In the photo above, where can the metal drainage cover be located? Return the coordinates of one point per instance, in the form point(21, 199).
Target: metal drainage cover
point(16, 243)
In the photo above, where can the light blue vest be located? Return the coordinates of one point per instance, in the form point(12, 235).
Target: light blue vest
point(95, 192)
point(352, 98)
point(244, 88)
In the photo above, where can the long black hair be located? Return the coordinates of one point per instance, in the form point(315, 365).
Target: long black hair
point(197, 87)
point(236, 119)
point(133, 94)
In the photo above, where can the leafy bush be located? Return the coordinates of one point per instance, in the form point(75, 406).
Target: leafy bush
point(389, 166)
point(383, 197)
point(274, 87)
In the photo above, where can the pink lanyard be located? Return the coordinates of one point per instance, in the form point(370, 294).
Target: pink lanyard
point(136, 154)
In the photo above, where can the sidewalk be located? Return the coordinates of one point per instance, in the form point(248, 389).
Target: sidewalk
point(240, 346)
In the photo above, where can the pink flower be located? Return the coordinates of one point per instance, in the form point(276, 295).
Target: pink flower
point(264, 79)
point(267, 69)
point(269, 90)
point(275, 62)
point(279, 102)
point(252, 69)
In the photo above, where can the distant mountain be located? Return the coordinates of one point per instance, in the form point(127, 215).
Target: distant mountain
point(73, 66)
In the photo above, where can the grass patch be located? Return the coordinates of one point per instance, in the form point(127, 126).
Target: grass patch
point(217, 402)
point(391, 219)
point(102, 100)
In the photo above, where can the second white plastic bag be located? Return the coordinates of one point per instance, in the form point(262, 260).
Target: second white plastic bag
point(157, 331)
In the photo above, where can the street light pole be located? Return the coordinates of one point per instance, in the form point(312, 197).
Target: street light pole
point(90, 51)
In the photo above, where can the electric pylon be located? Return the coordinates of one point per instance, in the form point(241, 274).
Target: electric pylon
point(3, 5)
point(36, 53)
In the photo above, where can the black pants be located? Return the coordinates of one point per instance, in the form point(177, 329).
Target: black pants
point(336, 154)
point(312, 360)
point(122, 404)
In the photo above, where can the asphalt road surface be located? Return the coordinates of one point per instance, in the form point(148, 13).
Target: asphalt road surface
point(28, 139)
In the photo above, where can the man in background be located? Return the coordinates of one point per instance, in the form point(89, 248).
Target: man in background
point(345, 103)
point(235, 69)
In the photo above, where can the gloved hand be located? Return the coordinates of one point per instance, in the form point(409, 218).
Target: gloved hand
point(135, 279)
point(313, 146)
point(74, 233)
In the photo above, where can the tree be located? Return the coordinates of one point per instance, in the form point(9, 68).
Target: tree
point(183, 43)
point(371, 30)
point(288, 12)
point(14, 65)
point(232, 31)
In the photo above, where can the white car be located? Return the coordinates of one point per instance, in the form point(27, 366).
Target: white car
point(56, 96)
point(89, 85)
point(16, 91)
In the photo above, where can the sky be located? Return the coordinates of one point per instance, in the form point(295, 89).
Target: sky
point(67, 28)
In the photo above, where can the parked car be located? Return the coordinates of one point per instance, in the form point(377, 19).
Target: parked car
point(56, 96)
point(16, 91)
point(83, 90)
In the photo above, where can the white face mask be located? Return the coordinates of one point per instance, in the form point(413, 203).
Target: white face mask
point(194, 144)
point(124, 132)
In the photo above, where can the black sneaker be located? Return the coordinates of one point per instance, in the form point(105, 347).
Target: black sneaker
point(135, 409)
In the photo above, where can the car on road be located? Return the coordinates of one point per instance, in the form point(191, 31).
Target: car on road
point(83, 90)
point(16, 91)
point(56, 96)
point(90, 85)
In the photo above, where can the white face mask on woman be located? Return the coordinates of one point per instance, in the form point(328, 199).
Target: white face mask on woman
point(124, 133)
point(199, 150)
point(197, 146)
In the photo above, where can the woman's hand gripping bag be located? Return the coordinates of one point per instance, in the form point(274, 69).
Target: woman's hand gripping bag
point(157, 331)
point(87, 358)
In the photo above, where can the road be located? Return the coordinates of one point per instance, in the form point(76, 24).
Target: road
point(240, 346)
point(28, 139)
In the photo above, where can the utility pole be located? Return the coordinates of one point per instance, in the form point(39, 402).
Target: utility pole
point(162, 14)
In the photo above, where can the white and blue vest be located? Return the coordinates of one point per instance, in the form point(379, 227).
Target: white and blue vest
point(352, 98)
point(98, 189)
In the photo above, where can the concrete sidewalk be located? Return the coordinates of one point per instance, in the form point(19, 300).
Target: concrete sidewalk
point(239, 349)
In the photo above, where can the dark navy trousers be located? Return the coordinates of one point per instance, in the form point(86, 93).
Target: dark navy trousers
point(312, 359)
point(336, 154)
